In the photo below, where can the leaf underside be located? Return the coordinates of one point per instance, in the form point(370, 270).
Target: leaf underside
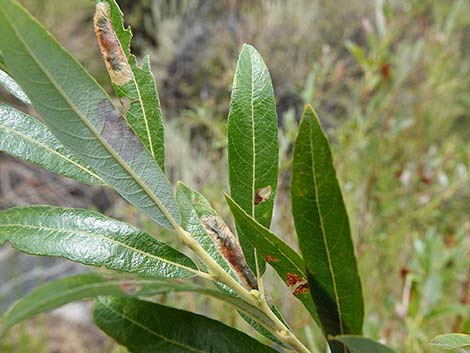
point(25, 137)
point(79, 113)
point(87, 286)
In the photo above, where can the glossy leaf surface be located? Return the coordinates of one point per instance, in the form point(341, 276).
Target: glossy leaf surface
point(92, 239)
point(80, 114)
point(287, 263)
point(24, 137)
point(144, 115)
point(12, 87)
point(322, 227)
point(85, 286)
point(253, 142)
point(145, 327)
point(358, 344)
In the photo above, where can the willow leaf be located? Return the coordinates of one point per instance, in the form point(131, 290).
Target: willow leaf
point(322, 227)
point(452, 341)
point(358, 344)
point(145, 327)
point(54, 294)
point(80, 114)
point(92, 239)
point(12, 87)
point(209, 230)
point(285, 261)
point(25, 137)
point(253, 146)
point(144, 115)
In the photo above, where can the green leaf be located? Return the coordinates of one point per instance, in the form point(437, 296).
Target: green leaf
point(80, 114)
point(200, 219)
point(144, 115)
point(24, 137)
point(86, 286)
point(145, 327)
point(358, 344)
point(322, 227)
point(285, 261)
point(92, 239)
point(253, 146)
point(452, 341)
point(12, 87)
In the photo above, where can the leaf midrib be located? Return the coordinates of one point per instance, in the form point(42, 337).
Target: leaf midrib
point(97, 236)
point(26, 137)
point(169, 340)
point(118, 159)
point(325, 241)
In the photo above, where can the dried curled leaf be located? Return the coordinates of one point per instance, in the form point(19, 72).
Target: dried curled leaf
point(115, 59)
point(230, 248)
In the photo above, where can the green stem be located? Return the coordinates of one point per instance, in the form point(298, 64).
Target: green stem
point(253, 297)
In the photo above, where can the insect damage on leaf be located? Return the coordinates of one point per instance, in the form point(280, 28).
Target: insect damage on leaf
point(297, 284)
point(262, 195)
point(230, 248)
point(130, 288)
point(115, 59)
point(271, 259)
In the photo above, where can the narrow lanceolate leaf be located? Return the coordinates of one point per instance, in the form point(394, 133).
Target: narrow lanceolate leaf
point(358, 344)
point(80, 114)
point(145, 327)
point(253, 146)
point(24, 137)
point(322, 227)
point(92, 239)
point(452, 341)
point(287, 263)
point(12, 87)
point(209, 230)
point(86, 286)
point(144, 115)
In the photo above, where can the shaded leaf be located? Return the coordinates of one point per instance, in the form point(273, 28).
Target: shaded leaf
point(85, 286)
point(253, 146)
point(80, 114)
point(287, 263)
point(92, 239)
point(145, 327)
point(358, 344)
point(12, 87)
point(24, 137)
point(322, 227)
point(452, 341)
point(144, 115)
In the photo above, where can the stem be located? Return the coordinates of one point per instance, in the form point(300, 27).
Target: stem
point(253, 297)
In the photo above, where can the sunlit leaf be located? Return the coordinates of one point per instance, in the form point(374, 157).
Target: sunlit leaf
point(253, 146)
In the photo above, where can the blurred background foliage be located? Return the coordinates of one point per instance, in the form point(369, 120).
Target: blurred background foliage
point(390, 80)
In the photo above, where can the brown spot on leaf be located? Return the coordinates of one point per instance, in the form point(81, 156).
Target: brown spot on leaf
point(302, 288)
point(115, 60)
point(292, 279)
point(262, 195)
point(298, 285)
point(130, 288)
point(230, 248)
point(270, 258)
